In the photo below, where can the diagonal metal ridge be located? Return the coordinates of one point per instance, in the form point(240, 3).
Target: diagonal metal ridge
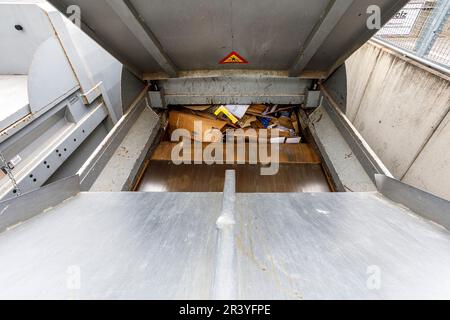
point(31, 204)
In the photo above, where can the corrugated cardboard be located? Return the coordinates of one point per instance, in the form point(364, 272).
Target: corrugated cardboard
point(183, 120)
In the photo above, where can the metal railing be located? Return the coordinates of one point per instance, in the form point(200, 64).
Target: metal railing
point(421, 28)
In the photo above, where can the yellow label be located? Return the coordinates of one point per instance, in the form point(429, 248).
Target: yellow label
point(227, 113)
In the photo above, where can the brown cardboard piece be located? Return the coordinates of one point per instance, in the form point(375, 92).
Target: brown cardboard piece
point(183, 120)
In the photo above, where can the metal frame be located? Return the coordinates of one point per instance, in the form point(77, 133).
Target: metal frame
point(423, 203)
point(235, 90)
point(412, 56)
point(39, 166)
point(333, 14)
point(61, 132)
point(124, 9)
point(371, 163)
point(100, 157)
point(90, 89)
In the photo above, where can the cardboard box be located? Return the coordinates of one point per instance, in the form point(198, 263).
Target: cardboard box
point(255, 134)
point(201, 132)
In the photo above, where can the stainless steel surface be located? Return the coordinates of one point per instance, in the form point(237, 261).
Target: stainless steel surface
point(332, 246)
point(427, 205)
point(269, 33)
point(293, 246)
point(124, 245)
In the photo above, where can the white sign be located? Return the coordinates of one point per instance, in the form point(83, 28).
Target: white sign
point(403, 22)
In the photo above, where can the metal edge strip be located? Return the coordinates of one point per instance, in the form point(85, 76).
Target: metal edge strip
point(29, 205)
point(423, 203)
point(371, 163)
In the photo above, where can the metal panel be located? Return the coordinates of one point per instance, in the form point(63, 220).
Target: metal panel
point(17, 47)
point(124, 245)
point(128, 14)
point(268, 33)
point(49, 65)
point(104, 70)
point(351, 33)
point(338, 246)
point(13, 99)
point(79, 157)
point(88, 87)
point(235, 90)
point(332, 15)
point(288, 246)
point(25, 207)
point(423, 203)
point(101, 23)
point(131, 88)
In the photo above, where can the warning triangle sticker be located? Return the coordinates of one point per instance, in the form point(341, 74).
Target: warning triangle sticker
point(233, 58)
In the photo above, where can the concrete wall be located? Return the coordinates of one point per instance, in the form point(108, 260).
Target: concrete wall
point(402, 109)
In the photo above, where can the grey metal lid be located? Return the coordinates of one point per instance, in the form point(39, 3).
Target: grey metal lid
point(165, 37)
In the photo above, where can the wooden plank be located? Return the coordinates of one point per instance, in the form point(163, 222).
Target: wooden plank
point(289, 153)
point(163, 176)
